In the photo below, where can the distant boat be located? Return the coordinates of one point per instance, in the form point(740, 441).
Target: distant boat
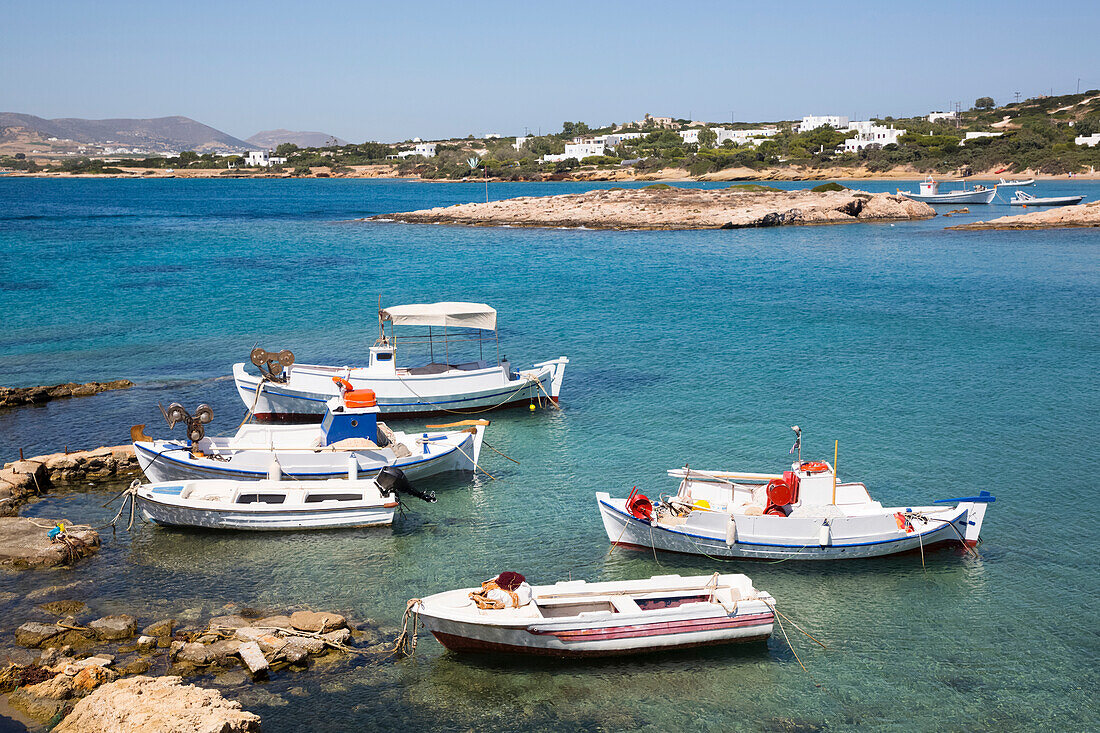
point(1020, 182)
point(1025, 199)
point(930, 194)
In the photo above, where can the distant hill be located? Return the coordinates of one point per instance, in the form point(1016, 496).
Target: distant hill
point(303, 139)
point(156, 135)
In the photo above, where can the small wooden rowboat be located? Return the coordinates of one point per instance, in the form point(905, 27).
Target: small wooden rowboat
point(579, 619)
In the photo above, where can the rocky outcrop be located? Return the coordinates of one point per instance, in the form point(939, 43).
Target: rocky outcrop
point(157, 704)
point(1059, 217)
point(677, 208)
point(25, 543)
point(16, 396)
point(22, 479)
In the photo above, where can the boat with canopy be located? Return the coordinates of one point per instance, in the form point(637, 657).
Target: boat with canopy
point(805, 513)
point(464, 370)
point(929, 193)
point(579, 619)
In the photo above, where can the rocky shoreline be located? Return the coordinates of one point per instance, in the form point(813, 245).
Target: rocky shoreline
point(27, 477)
point(1061, 217)
point(18, 396)
point(88, 674)
point(676, 208)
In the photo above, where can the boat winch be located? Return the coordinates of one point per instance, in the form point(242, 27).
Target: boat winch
point(272, 363)
point(177, 413)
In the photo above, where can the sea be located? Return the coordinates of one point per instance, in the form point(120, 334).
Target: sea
point(943, 363)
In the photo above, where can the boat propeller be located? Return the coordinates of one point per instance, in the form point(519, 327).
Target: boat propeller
point(272, 363)
point(392, 481)
point(177, 413)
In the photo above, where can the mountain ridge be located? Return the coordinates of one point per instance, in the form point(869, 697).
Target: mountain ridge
point(154, 134)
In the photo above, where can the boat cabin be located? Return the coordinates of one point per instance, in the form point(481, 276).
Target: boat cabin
point(445, 330)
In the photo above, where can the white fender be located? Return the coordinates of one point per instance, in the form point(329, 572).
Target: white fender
point(731, 532)
point(825, 536)
point(353, 467)
point(274, 470)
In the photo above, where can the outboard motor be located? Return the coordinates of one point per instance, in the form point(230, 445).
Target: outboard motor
point(392, 481)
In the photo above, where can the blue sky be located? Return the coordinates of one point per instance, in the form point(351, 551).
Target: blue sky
point(365, 71)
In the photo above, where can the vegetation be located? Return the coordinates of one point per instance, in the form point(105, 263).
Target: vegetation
point(753, 188)
point(830, 186)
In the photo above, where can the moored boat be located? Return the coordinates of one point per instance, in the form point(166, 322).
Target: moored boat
point(802, 514)
point(449, 382)
point(930, 193)
point(350, 440)
point(270, 505)
point(580, 619)
point(1019, 182)
point(1025, 199)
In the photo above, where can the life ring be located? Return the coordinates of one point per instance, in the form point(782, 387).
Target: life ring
point(640, 507)
point(343, 384)
point(814, 466)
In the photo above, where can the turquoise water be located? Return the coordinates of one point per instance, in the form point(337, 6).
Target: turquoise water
point(943, 362)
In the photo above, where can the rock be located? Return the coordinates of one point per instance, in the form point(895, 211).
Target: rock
point(55, 688)
point(309, 644)
point(293, 653)
point(159, 628)
point(33, 634)
point(379, 648)
point(91, 677)
point(221, 651)
point(273, 622)
point(207, 638)
point(253, 658)
point(42, 709)
point(56, 590)
point(340, 636)
point(111, 628)
point(233, 678)
point(174, 648)
point(317, 621)
point(297, 692)
point(23, 543)
point(146, 643)
point(63, 608)
point(157, 705)
point(135, 666)
point(228, 622)
point(194, 653)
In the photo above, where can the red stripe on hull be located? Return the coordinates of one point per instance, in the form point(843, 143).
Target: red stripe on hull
point(665, 628)
point(938, 544)
point(477, 646)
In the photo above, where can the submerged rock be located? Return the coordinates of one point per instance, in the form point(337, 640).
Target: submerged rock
point(159, 628)
point(317, 621)
point(33, 634)
point(157, 705)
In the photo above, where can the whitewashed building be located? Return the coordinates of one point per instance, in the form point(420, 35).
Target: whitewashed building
point(690, 136)
point(868, 134)
point(976, 135)
point(941, 116)
point(615, 139)
point(812, 122)
point(742, 137)
point(263, 159)
point(425, 149)
point(520, 140)
point(580, 151)
point(1088, 140)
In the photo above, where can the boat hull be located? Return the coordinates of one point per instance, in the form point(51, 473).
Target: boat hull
point(957, 197)
point(778, 538)
point(239, 519)
point(1047, 201)
point(303, 397)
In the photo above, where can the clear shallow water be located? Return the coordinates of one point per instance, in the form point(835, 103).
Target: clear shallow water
point(944, 362)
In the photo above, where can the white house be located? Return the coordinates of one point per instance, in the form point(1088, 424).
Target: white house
point(263, 159)
point(975, 135)
point(939, 116)
point(425, 149)
point(491, 136)
point(868, 134)
point(615, 139)
point(812, 122)
point(1088, 140)
point(742, 137)
point(690, 136)
point(580, 151)
point(520, 140)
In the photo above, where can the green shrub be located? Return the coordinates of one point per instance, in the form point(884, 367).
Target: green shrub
point(657, 187)
point(753, 188)
point(830, 186)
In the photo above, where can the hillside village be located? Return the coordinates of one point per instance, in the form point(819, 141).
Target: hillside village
point(1045, 135)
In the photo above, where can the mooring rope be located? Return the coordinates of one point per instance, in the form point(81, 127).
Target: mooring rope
point(406, 640)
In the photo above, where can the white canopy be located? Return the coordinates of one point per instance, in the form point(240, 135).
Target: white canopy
point(459, 315)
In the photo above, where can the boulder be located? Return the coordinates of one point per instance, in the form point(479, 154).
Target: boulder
point(55, 688)
point(157, 705)
point(307, 643)
point(253, 657)
point(24, 543)
point(228, 622)
point(273, 622)
point(222, 651)
point(317, 621)
point(135, 666)
point(340, 636)
point(194, 653)
point(112, 628)
point(91, 677)
point(159, 628)
point(42, 709)
point(146, 643)
point(33, 634)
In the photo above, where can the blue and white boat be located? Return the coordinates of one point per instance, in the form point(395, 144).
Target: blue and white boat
point(350, 440)
point(459, 376)
point(801, 514)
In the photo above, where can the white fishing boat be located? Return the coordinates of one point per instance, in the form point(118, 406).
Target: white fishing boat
point(802, 514)
point(1022, 198)
point(579, 619)
point(1019, 182)
point(457, 377)
point(350, 439)
point(271, 505)
point(930, 193)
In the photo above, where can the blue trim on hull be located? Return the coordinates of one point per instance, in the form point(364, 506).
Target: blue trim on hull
point(382, 404)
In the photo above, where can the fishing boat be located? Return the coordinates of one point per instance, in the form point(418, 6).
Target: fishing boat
point(457, 377)
point(801, 514)
point(930, 193)
point(1019, 182)
point(1022, 198)
point(349, 440)
point(270, 505)
point(579, 619)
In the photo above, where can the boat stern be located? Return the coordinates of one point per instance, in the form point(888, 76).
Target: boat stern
point(557, 374)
